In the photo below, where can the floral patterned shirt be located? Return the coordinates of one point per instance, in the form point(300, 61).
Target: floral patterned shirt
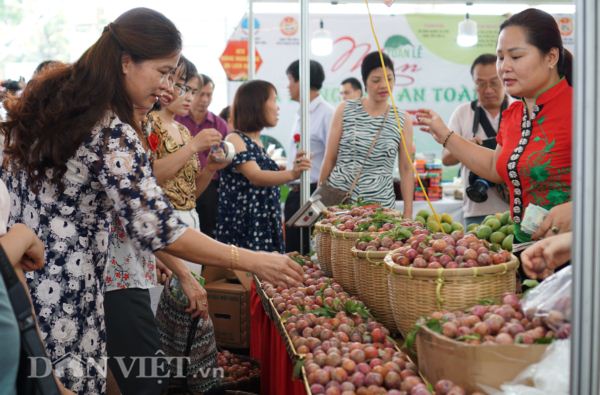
point(128, 267)
point(108, 176)
point(536, 156)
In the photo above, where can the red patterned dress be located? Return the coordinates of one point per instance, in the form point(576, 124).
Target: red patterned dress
point(535, 160)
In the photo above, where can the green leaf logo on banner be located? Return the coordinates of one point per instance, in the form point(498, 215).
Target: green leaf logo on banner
point(397, 41)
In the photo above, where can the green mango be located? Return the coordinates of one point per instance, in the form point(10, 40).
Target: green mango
point(446, 218)
point(484, 232)
point(472, 227)
point(505, 218)
point(424, 214)
point(457, 226)
point(493, 223)
point(447, 227)
point(507, 244)
point(433, 227)
point(497, 237)
point(420, 219)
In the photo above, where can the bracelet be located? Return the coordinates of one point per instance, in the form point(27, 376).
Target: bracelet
point(235, 257)
point(447, 137)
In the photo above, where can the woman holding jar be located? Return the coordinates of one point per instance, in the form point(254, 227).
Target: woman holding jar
point(533, 155)
point(364, 141)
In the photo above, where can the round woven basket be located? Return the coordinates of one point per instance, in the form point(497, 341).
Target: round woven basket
point(323, 247)
point(342, 261)
point(369, 267)
point(414, 293)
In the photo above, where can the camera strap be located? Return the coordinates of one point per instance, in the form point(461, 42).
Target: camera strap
point(30, 341)
point(480, 118)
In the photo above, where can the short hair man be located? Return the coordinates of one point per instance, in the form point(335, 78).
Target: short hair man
point(320, 113)
point(198, 120)
point(351, 89)
point(479, 121)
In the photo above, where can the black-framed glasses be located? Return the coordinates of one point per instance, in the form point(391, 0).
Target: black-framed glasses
point(494, 84)
point(182, 90)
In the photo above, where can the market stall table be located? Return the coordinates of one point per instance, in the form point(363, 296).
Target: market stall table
point(267, 346)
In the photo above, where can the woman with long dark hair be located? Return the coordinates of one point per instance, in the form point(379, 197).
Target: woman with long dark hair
point(76, 158)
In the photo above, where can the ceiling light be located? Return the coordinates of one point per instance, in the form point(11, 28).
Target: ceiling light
point(321, 43)
point(467, 32)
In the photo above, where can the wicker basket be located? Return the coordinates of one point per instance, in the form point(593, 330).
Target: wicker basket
point(369, 267)
point(342, 261)
point(414, 293)
point(323, 247)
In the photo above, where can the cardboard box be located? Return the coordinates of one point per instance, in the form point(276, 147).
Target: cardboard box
point(229, 305)
point(472, 367)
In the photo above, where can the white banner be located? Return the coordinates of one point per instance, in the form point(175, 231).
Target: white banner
point(432, 71)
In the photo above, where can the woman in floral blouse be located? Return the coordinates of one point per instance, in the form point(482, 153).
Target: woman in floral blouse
point(533, 155)
point(76, 161)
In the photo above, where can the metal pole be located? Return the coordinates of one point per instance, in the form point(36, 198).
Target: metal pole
point(251, 43)
point(304, 106)
point(585, 342)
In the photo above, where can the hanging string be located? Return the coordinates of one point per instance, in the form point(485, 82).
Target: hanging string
point(389, 88)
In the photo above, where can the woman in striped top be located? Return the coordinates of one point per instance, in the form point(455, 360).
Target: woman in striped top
point(355, 124)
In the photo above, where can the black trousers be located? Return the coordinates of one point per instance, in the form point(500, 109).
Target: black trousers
point(292, 234)
point(206, 206)
point(131, 331)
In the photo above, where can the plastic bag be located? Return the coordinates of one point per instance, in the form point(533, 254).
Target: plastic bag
point(549, 376)
point(551, 299)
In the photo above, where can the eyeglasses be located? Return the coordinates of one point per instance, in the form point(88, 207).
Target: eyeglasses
point(182, 90)
point(494, 84)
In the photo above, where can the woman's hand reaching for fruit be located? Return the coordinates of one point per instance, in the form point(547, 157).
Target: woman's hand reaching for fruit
point(432, 123)
point(542, 258)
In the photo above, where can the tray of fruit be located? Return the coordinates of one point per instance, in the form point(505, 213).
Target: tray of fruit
point(240, 372)
point(344, 234)
point(441, 271)
point(335, 343)
point(485, 345)
point(316, 301)
point(498, 229)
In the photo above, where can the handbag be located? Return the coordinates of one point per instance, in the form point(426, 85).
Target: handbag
point(184, 336)
point(28, 383)
point(332, 196)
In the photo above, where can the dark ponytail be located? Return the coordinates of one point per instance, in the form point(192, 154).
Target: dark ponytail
point(542, 32)
point(565, 66)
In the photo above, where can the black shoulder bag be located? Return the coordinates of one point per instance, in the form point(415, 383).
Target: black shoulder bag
point(31, 345)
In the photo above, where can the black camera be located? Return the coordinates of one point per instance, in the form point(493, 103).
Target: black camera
point(478, 186)
point(11, 85)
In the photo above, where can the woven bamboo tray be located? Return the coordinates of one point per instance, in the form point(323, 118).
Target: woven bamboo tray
point(414, 292)
point(342, 261)
point(323, 247)
point(369, 267)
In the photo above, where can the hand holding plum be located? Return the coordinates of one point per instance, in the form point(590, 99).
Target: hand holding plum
point(542, 258)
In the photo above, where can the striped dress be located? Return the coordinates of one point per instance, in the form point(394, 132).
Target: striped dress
point(376, 183)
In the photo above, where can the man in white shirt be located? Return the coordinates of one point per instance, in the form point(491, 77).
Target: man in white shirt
point(479, 121)
point(320, 113)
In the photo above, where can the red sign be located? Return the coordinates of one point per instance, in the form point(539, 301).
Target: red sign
point(234, 60)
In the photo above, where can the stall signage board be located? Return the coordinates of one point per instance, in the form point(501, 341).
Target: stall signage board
point(234, 60)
